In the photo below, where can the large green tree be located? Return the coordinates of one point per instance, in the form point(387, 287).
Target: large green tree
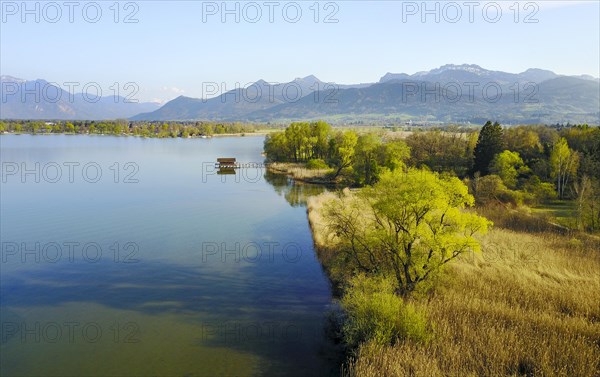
point(489, 143)
point(373, 155)
point(441, 151)
point(525, 141)
point(366, 163)
point(342, 147)
point(277, 147)
point(406, 226)
point(297, 135)
point(564, 163)
point(320, 132)
point(588, 203)
point(299, 142)
point(508, 165)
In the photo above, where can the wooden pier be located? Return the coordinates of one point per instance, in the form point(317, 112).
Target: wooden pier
point(227, 163)
point(231, 163)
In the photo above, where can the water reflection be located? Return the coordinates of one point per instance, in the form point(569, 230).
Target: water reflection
point(296, 193)
point(246, 313)
point(195, 318)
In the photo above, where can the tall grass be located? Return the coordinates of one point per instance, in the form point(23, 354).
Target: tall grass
point(300, 171)
point(528, 305)
point(521, 219)
point(375, 313)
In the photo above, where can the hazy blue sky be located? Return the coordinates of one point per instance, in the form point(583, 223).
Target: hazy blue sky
point(176, 46)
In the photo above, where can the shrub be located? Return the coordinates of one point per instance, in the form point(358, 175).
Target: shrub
point(512, 197)
point(316, 164)
point(376, 314)
point(541, 191)
point(490, 188)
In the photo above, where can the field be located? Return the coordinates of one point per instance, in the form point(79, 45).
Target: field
point(527, 305)
point(562, 211)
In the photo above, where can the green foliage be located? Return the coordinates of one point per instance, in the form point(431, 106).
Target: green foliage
point(540, 191)
point(441, 152)
point(316, 164)
point(507, 166)
point(366, 166)
point(588, 203)
point(341, 149)
point(320, 132)
point(395, 155)
point(373, 156)
point(523, 140)
point(276, 147)
point(564, 163)
point(299, 142)
point(360, 158)
point(513, 197)
point(586, 141)
point(408, 225)
point(491, 188)
point(376, 314)
point(489, 143)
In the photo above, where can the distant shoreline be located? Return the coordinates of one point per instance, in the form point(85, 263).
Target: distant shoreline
point(241, 134)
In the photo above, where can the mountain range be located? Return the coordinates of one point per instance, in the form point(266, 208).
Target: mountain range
point(451, 93)
point(40, 99)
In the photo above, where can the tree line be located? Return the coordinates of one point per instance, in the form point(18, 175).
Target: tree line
point(361, 158)
point(511, 165)
point(123, 127)
point(531, 165)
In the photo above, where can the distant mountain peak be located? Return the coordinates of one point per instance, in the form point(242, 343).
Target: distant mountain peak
point(463, 66)
point(393, 76)
point(261, 82)
point(587, 77)
point(473, 68)
point(11, 79)
point(530, 70)
point(310, 79)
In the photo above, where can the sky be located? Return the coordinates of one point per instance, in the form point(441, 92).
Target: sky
point(158, 50)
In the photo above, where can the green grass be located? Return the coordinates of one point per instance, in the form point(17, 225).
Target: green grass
point(564, 212)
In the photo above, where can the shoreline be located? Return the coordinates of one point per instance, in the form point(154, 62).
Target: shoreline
point(324, 250)
point(241, 134)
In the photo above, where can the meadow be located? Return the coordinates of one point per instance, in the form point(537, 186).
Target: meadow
point(526, 305)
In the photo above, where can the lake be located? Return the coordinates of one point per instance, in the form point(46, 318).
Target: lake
point(132, 256)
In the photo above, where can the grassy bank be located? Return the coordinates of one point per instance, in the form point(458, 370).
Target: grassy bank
point(527, 305)
point(300, 172)
point(564, 212)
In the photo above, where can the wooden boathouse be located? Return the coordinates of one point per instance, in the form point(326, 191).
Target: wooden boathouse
point(227, 162)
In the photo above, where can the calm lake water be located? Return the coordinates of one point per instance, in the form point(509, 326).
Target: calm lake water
point(128, 256)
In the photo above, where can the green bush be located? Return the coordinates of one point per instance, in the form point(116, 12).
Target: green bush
point(375, 313)
point(316, 164)
point(541, 191)
point(513, 197)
